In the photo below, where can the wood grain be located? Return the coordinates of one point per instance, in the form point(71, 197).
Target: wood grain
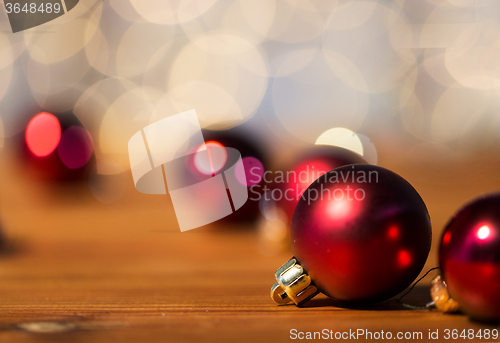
point(80, 271)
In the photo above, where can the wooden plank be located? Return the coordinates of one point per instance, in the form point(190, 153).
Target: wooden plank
point(76, 270)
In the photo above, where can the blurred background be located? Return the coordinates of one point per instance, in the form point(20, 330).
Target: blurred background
point(413, 86)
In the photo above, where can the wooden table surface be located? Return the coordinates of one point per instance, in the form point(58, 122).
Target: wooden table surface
point(80, 271)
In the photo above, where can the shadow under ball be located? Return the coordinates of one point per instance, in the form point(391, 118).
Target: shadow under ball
point(366, 245)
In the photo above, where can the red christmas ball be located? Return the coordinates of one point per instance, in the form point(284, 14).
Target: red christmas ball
point(57, 147)
point(469, 256)
point(362, 233)
point(318, 161)
point(254, 162)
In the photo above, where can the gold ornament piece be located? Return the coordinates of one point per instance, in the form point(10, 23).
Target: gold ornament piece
point(441, 296)
point(293, 284)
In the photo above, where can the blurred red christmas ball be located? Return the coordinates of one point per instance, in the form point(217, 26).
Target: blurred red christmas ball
point(56, 147)
point(362, 233)
point(253, 166)
point(318, 161)
point(469, 256)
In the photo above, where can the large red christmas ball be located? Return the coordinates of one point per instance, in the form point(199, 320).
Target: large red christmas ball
point(469, 256)
point(318, 161)
point(362, 233)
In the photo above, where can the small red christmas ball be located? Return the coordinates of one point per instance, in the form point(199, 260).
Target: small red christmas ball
point(254, 164)
point(469, 256)
point(362, 233)
point(318, 161)
point(57, 147)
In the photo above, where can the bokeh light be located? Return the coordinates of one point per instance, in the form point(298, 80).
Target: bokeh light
point(457, 112)
point(95, 102)
point(217, 157)
point(43, 134)
point(245, 18)
point(46, 47)
point(76, 147)
point(126, 53)
point(125, 116)
point(57, 86)
point(113, 110)
point(424, 73)
point(125, 9)
point(289, 62)
point(5, 78)
point(343, 138)
point(369, 36)
point(317, 91)
point(297, 21)
point(171, 12)
point(135, 54)
point(250, 171)
point(352, 14)
point(483, 232)
point(7, 58)
point(10, 49)
point(222, 76)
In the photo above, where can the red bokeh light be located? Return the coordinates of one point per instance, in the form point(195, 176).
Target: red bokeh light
point(43, 134)
point(250, 171)
point(76, 147)
point(217, 158)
